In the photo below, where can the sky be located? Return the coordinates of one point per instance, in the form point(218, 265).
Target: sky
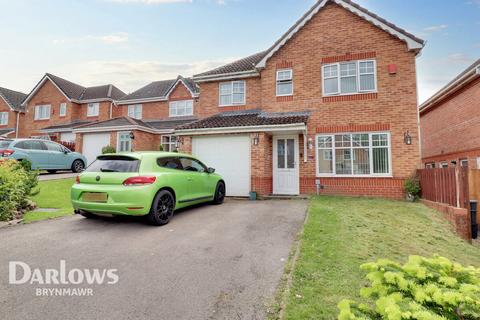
point(132, 42)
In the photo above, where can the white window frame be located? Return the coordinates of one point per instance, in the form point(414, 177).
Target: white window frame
point(96, 109)
point(38, 114)
point(232, 93)
point(169, 143)
point(443, 164)
point(119, 134)
point(135, 111)
point(174, 106)
point(4, 118)
point(462, 161)
point(63, 109)
point(370, 148)
point(339, 88)
point(283, 81)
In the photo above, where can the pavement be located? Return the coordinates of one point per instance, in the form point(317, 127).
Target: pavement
point(210, 262)
point(56, 176)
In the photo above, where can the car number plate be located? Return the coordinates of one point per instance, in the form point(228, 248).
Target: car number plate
point(95, 197)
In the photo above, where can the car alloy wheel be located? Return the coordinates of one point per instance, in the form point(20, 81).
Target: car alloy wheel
point(78, 166)
point(165, 208)
point(220, 193)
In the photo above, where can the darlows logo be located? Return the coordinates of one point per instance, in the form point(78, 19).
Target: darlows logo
point(21, 273)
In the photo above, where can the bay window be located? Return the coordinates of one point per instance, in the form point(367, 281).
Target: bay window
point(354, 154)
point(349, 77)
point(232, 93)
point(135, 111)
point(181, 108)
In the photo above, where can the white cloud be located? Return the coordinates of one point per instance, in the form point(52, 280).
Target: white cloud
point(131, 75)
point(114, 38)
point(150, 1)
point(435, 28)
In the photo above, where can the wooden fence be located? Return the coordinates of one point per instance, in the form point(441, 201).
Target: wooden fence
point(446, 185)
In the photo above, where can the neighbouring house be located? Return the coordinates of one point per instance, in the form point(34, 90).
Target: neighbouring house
point(56, 106)
point(331, 105)
point(450, 123)
point(11, 112)
point(143, 120)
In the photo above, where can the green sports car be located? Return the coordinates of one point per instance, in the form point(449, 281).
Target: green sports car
point(151, 184)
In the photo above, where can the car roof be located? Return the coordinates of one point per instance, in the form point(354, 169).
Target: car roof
point(145, 154)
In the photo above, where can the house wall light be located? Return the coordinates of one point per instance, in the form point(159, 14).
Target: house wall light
point(132, 135)
point(407, 138)
point(256, 139)
point(310, 143)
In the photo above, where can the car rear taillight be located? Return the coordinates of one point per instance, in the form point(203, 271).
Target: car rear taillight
point(139, 181)
point(77, 179)
point(7, 152)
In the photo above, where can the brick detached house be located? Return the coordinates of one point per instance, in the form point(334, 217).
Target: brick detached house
point(332, 103)
point(143, 120)
point(450, 122)
point(11, 112)
point(56, 106)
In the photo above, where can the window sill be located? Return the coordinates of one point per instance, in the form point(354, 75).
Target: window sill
point(93, 116)
point(351, 97)
point(187, 115)
point(353, 176)
point(232, 105)
point(39, 120)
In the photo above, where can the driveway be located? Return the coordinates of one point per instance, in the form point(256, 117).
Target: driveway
point(210, 262)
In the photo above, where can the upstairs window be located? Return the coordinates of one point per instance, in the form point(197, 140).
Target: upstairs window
point(181, 108)
point(232, 93)
point(349, 77)
point(3, 118)
point(284, 82)
point(63, 109)
point(93, 109)
point(42, 112)
point(135, 111)
point(357, 154)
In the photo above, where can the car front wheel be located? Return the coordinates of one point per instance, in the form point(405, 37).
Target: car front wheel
point(162, 208)
point(78, 166)
point(219, 193)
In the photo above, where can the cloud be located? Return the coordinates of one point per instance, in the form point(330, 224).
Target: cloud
point(150, 1)
point(436, 28)
point(114, 38)
point(131, 75)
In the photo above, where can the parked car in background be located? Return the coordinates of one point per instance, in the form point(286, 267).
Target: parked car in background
point(44, 155)
point(151, 184)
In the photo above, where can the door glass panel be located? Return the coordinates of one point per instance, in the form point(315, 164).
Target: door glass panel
point(281, 153)
point(290, 153)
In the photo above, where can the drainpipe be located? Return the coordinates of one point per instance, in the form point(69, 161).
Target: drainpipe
point(111, 109)
point(17, 125)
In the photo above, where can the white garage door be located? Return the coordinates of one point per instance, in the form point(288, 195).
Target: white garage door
point(230, 156)
point(67, 136)
point(93, 144)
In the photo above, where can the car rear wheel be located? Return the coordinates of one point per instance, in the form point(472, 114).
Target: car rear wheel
point(162, 208)
point(52, 171)
point(219, 193)
point(78, 166)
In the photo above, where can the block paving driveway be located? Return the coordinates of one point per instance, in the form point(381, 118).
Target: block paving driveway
point(210, 262)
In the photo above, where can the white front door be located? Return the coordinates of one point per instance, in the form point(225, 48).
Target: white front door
point(285, 165)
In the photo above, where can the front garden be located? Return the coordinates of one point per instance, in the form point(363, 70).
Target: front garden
point(342, 233)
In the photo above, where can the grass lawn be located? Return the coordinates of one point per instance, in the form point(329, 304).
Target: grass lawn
point(342, 233)
point(53, 194)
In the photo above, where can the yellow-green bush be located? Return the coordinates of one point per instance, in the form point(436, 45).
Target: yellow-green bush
point(421, 289)
point(17, 183)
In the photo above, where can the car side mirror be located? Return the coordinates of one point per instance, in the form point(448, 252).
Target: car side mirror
point(211, 170)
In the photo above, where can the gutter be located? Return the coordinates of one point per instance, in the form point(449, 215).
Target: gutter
point(450, 88)
point(281, 127)
point(121, 128)
point(227, 76)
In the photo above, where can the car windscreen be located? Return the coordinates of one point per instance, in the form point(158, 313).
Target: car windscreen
point(114, 164)
point(5, 143)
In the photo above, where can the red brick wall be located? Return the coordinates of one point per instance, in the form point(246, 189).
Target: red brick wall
point(392, 108)
point(451, 128)
point(80, 112)
point(145, 141)
point(12, 117)
point(160, 110)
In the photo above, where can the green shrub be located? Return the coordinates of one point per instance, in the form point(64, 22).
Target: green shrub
point(16, 185)
point(108, 149)
point(420, 289)
point(412, 186)
point(160, 147)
